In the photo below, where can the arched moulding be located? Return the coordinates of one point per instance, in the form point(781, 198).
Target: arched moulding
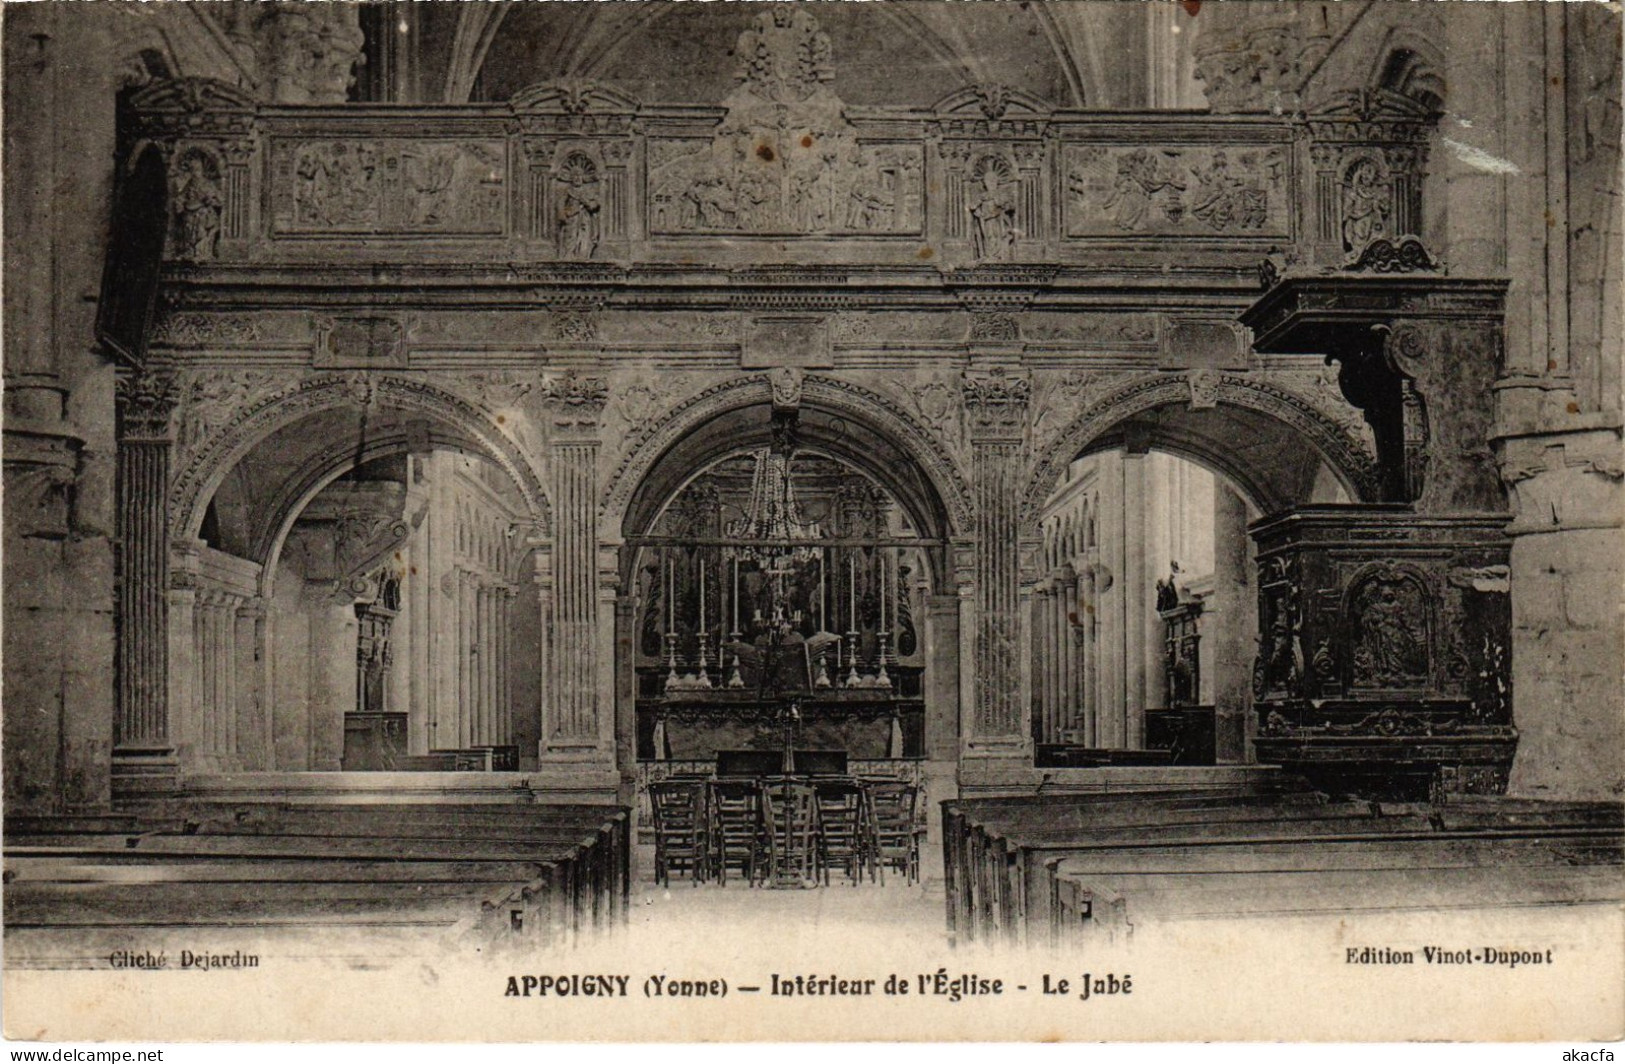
point(197, 481)
point(1351, 459)
point(830, 395)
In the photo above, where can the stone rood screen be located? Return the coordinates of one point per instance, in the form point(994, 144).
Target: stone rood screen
point(782, 171)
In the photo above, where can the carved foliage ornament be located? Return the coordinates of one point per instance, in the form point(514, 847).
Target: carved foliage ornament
point(213, 398)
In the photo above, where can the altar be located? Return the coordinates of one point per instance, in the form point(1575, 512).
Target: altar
point(779, 591)
point(865, 728)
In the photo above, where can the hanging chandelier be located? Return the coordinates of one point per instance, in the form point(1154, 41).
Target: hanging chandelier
point(774, 533)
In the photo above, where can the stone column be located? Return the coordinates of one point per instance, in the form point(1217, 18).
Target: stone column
point(479, 725)
point(1066, 604)
point(1042, 648)
point(997, 405)
point(943, 667)
point(1227, 622)
point(1136, 600)
point(577, 732)
point(253, 723)
point(143, 755)
point(572, 729)
point(1089, 703)
point(333, 634)
point(1476, 195)
point(467, 660)
point(505, 670)
point(626, 681)
point(542, 561)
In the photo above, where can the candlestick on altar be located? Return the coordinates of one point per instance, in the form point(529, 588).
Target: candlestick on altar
point(852, 598)
point(821, 558)
point(671, 597)
point(852, 678)
point(736, 597)
point(735, 681)
point(702, 677)
point(671, 658)
point(701, 559)
point(881, 677)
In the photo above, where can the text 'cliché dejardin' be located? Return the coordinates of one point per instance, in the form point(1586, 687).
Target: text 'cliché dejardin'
point(942, 984)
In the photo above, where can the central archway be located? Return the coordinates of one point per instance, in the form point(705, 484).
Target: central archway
point(834, 607)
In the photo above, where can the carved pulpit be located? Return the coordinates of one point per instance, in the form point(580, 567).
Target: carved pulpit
point(1383, 663)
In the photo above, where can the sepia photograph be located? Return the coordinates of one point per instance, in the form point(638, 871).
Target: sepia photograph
point(813, 521)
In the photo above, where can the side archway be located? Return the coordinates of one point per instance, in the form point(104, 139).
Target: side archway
point(196, 483)
point(1239, 424)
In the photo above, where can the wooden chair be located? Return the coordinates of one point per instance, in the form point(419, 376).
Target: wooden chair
point(846, 835)
point(892, 806)
point(682, 838)
point(737, 835)
point(790, 811)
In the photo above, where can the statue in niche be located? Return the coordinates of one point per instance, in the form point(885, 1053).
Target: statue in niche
point(1168, 590)
point(197, 208)
point(372, 687)
point(578, 210)
point(1392, 647)
point(993, 213)
point(1366, 198)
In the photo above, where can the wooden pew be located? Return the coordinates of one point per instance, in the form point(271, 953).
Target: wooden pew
point(977, 887)
point(548, 873)
point(1003, 856)
point(1102, 896)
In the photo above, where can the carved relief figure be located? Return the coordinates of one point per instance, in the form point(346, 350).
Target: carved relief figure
point(1144, 182)
point(196, 207)
point(1229, 199)
point(1366, 202)
point(993, 211)
point(1392, 633)
point(392, 185)
point(579, 203)
point(337, 184)
point(1194, 190)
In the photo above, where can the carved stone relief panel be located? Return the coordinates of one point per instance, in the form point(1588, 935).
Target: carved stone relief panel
point(389, 186)
point(1113, 190)
point(784, 160)
point(360, 341)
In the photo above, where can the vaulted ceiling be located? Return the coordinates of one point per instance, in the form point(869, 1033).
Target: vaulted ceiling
point(885, 53)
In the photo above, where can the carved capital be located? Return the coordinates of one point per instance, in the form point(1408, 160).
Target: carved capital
point(146, 401)
point(581, 396)
point(996, 402)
